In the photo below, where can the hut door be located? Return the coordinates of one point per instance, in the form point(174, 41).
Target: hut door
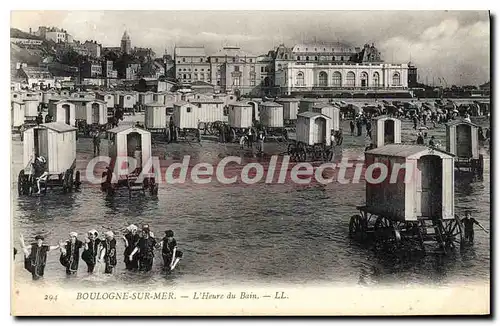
point(429, 187)
point(255, 113)
point(67, 114)
point(95, 113)
point(464, 140)
point(320, 130)
point(36, 142)
point(389, 132)
point(134, 148)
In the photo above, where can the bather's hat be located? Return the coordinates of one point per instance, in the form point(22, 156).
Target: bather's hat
point(131, 227)
point(169, 233)
point(94, 232)
point(39, 237)
point(73, 234)
point(109, 234)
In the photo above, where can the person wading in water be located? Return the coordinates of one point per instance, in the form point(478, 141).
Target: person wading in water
point(468, 223)
point(131, 238)
point(170, 254)
point(108, 252)
point(70, 254)
point(36, 258)
point(145, 247)
point(91, 250)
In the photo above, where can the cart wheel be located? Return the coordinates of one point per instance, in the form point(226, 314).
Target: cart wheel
point(385, 231)
point(77, 179)
point(453, 233)
point(357, 228)
point(21, 183)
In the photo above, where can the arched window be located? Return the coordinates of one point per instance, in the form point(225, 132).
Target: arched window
point(337, 79)
point(316, 58)
point(364, 79)
point(286, 56)
point(323, 79)
point(307, 58)
point(396, 79)
point(351, 79)
point(280, 66)
point(300, 78)
point(376, 79)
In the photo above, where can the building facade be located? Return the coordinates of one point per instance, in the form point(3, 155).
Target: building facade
point(335, 67)
point(191, 64)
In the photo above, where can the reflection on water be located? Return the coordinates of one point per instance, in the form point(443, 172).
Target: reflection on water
point(248, 234)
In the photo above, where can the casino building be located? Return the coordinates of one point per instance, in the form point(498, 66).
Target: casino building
point(336, 68)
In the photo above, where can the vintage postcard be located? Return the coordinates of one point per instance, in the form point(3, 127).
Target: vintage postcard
point(250, 163)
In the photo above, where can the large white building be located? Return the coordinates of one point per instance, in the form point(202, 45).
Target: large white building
point(337, 67)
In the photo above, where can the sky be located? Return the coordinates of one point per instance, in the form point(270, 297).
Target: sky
point(451, 47)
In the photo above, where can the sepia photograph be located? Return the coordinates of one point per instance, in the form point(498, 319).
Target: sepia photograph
point(230, 163)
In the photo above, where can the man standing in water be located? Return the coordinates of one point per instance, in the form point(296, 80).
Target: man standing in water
point(90, 251)
point(468, 223)
point(145, 247)
point(96, 138)
point(70, 254)
point(36, 258)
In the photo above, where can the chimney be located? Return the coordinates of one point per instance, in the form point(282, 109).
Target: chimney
point(30, 30)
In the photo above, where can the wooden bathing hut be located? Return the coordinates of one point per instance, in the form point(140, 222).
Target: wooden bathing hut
point(186, 115)
point(17, 114)
point(31, 96)
point(411, 202)
point(128, 141)
point(386, 130)
point(96, 113)
point(271, 115)
point(462, 140)
point(210, 111)
point(240, 115)
point(127, 101)
point(306, 104)
point(31, 108)
point(145, 98)
point(155, 117)
point(84, 95)
point(313, 138)
point(16, 96)
point(330, 111)
point(290, 109)
point(62, 111)
point(106, 97)
point(46, 96)
point(56, 142)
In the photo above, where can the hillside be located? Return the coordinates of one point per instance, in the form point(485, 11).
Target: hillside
point(17, 33)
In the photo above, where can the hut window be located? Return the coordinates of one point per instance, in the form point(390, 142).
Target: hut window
point(188, 109)
point(199, 105)
point(323, 79)
point(351, 79)
point(337, 79)
point(300, 78)
point(376, 79)
point(183, 59)
point(15, 96)
point(396, 80)
point(128, 97)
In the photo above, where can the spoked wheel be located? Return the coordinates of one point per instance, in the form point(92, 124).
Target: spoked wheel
point(22, 184)
point(453, 233)
point(357, 227)
point(386, 232)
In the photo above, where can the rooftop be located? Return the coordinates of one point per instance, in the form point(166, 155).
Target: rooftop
point(270, 104)
point(309, 115)
point(190, 51)
point(326, 47)
point(58, 126)
point(406, 151)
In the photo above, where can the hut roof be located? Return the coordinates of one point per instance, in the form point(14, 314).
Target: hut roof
point(78, 99)
point(18, 102)
point(310, 115)
point(383, 117)
point(323, 105)
point(155, 104)
point(181, 103)
point(30, 99)
point(270, 104)
point(288, 99)
point(123, 128)
point(407, 151)
point(207, 100)
point(58, 126)
point(240, 104)
point(461, 122)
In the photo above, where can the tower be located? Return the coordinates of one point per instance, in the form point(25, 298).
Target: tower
point(125, 43)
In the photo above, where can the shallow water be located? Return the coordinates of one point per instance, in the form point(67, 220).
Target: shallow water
point(243, 234)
